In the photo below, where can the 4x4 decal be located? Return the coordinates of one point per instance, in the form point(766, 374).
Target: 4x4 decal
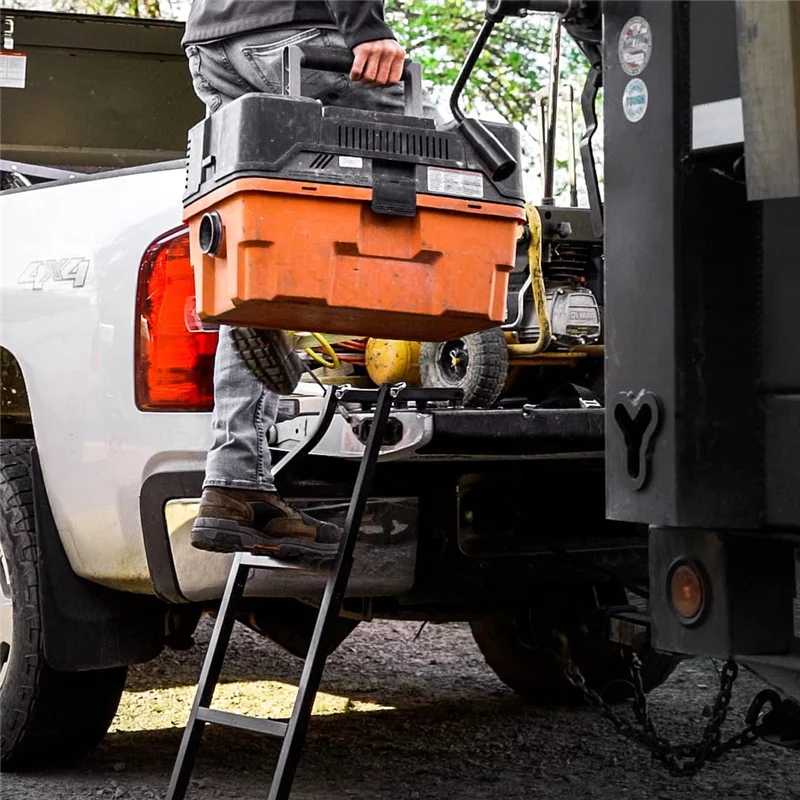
point(72, 270)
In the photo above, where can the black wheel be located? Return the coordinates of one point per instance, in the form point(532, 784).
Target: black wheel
point(290, 624)
point(476, 363)
point(46, 717)
point(536, 675)
point(268, 354)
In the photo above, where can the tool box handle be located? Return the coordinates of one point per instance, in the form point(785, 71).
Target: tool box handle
point(337, 59)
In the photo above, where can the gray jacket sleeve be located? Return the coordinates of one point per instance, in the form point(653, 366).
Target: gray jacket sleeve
point(360, 20)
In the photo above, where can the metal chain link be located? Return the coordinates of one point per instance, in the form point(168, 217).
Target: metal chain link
point(682, 760)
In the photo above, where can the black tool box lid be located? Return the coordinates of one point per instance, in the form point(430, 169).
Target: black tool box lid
point(296, 138)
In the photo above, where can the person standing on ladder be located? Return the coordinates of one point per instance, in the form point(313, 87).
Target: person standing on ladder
point(235, 47)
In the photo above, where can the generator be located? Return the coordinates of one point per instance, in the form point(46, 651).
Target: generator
point(319, 218)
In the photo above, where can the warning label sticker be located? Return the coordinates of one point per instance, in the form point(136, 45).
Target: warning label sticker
point(456, 182)
point(12, 70)
point(634, 100)
point(635, 46)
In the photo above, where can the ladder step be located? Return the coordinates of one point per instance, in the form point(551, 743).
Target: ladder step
point(265, 562)
point(256, 724)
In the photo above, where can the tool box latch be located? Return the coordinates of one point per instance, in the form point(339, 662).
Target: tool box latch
point(394, 188)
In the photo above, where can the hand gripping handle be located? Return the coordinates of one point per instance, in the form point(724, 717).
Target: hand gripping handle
point(336, 59)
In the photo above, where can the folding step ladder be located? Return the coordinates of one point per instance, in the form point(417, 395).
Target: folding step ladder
point(293, 732)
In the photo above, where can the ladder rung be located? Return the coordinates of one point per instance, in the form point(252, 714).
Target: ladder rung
point(265, 562)
point(257, 724)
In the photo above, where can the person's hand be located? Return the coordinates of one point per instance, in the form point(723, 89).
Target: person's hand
point(379, 63)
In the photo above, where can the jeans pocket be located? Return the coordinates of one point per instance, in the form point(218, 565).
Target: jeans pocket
point(202, 87)
point(267, 59)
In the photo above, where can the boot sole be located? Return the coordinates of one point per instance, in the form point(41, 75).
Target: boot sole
point(269, 356)
point(227, 536)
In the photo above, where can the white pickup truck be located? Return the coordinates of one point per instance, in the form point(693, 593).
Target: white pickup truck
point(497, 516)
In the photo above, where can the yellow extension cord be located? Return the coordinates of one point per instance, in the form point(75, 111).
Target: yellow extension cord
point(537, 281)
point(334, 363)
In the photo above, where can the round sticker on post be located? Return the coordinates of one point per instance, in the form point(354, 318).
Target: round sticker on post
point(635, 45)
point(634, 100)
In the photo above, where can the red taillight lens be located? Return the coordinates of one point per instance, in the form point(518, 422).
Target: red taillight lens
point(174, 359)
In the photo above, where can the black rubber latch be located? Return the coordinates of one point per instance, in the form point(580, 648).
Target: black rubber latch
point(394, 188)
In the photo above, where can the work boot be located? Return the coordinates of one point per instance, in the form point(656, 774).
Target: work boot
point(232, 520)
point(269, 355)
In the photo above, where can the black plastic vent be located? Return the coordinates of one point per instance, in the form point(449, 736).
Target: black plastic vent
point(321, 161)
point(404, 143)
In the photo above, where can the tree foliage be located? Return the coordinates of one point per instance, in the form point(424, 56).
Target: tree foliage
point(127, 8)
point(439, 34)
point(151, 9)
point(513, 70)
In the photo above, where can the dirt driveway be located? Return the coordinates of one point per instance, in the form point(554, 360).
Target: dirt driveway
point(405, 719)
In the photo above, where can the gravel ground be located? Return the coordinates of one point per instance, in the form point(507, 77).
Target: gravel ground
point(406, 719)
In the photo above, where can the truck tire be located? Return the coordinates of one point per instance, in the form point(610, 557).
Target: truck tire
point(476, 363)
point(290, 624)
point(536, 676)
point(46, 717)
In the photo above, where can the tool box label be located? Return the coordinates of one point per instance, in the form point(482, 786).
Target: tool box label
point(353, 162)
point(455, 182)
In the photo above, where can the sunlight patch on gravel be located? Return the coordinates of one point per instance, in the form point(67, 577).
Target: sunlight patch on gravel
point(159, 709)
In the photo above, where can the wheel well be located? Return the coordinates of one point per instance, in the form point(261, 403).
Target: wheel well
point(15, 410)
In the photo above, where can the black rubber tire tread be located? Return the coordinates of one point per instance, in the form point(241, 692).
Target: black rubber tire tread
point(46, 717)
point(486, 374)
point(269, 356)
point(290, 624)
point(537, 677)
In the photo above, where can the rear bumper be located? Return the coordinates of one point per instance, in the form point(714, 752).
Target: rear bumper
point(484, 440)
point(449, 434)
point(538, 433)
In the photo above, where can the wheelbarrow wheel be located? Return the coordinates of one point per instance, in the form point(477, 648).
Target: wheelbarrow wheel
point(476, 363)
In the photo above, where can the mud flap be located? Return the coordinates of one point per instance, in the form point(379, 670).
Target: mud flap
point(86, 626)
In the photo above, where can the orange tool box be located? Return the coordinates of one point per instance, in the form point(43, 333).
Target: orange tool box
point(306, 217)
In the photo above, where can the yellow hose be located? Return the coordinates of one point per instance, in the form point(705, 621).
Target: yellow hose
point(537, 281)
point(334, 363)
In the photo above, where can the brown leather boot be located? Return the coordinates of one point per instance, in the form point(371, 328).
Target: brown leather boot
point(233, 520)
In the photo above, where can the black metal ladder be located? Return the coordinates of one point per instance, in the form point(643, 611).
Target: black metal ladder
point(293, 732)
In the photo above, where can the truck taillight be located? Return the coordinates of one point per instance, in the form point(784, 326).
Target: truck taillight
point(174, 356)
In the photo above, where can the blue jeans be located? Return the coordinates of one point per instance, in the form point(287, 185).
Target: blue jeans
point(244, 409)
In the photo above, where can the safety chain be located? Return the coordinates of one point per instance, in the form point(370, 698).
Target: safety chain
point(682, 760)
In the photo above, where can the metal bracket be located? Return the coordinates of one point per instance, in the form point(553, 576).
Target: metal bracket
point(9, 26)
point(594, 81)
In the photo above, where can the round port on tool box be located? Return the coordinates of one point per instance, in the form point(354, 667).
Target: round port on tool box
point(210, 233)
point(687, 591)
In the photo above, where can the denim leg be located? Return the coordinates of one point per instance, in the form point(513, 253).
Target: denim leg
point(244, 409)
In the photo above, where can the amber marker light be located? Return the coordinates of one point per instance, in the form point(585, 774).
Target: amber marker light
point(687, 591)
